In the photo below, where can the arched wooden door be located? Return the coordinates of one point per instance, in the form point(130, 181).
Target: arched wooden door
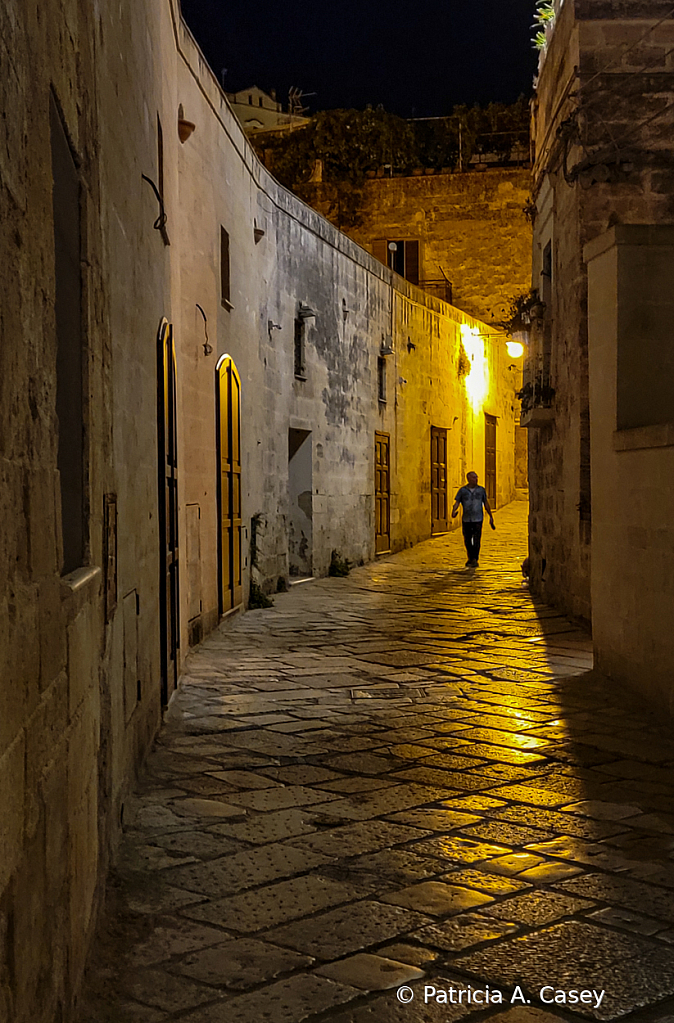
point(169, 579)
point(229, 484)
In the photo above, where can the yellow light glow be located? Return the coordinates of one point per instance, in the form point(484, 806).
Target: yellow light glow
point(477, 381)
point(515, 349)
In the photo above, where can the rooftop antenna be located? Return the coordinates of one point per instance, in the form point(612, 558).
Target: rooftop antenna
point(295, 97)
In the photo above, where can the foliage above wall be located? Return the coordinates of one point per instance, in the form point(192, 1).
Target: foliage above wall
point(543, 20)
point(355, 144)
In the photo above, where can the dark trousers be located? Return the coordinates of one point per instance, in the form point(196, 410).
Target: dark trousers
point(472, 533)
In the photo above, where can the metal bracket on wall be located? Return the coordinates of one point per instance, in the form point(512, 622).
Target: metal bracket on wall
point(160, 222)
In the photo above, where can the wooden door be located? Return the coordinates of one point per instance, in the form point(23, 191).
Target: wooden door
point(438, 480)
point(229, 489)
point(169, 581)
point(490, 458)
point(382, 493)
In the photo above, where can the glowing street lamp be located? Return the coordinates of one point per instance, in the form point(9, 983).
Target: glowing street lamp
point(477, 381)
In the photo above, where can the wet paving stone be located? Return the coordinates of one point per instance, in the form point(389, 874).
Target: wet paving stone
point(621, 891)
point(407, 771)
point(499, 831)
point(244, 870)
point(286, 1001)
point(536, 909)
point(370, 972)
point(437, 898)
point(399, 865)
point(454, 849)
point(172, 936)
point(386, 1007)
point(349, 929)
point(240, 964)
point(200, 844)
point(576, 955)
point(435, 820)
point(275, 904)
point(411, 954)
point(264, 828)
point(464, 931)
point(161, 990)
point(491, 884)
point(356, 839)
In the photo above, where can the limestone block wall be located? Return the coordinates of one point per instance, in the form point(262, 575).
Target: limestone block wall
point(469, 225)
point(54, 646)
point(631, 382)
point(591, 79)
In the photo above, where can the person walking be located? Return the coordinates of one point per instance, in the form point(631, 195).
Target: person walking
point(473, 499)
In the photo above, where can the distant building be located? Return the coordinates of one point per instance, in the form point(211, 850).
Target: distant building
point(259, 111)
point(461, 236)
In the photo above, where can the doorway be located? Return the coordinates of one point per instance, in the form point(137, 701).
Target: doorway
point(229, 484)
point(439, 522)
point(300, 538)
point(382, 493)
point(490, 458)
point(169, 581)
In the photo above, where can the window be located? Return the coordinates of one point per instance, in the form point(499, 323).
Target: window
point(224, 269)
point(69, 368)
point(299, 349)
point(259, 100)
point(250, 100)
point(381, 378)
point(404, 259)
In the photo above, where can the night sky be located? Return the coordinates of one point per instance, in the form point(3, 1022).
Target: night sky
point(416, 57)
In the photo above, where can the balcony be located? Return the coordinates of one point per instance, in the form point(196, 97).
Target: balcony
point(440, 287)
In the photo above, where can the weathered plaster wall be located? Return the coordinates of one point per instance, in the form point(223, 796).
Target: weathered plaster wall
point(630, 315)
point(605, 167)
point(470, 225)
point(52, 636)
point(301, 258)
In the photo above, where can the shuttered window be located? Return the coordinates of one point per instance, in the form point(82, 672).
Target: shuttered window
point(404, 259)
point(224, 269)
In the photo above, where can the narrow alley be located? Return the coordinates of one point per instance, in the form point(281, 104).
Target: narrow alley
point(387, 787)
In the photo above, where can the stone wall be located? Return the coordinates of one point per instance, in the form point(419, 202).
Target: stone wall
point(602, 157)
point(470, 226)
point(631, 397)
point(81, 685)
point(57, 681)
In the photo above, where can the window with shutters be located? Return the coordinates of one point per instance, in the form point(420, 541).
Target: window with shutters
point(404, 259)
point(224, 269)
point(299, 349)
point(381, 378)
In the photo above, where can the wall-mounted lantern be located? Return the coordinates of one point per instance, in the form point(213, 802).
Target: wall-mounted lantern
point(185, 128)
point(306, 312)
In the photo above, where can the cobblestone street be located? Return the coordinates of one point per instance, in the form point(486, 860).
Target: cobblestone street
point(409, 776)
